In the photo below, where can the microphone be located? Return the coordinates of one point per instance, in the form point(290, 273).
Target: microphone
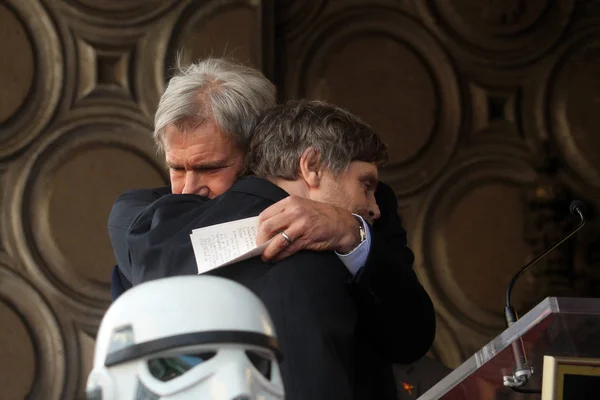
point(576, 208)
point(523, 371)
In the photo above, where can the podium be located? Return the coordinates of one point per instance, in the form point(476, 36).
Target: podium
point(560, 338)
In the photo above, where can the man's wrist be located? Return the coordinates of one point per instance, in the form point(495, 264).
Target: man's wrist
point(353, 237)
point(357, 256)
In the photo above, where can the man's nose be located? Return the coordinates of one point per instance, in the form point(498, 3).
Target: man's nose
point(194, 184)
point(374, 212)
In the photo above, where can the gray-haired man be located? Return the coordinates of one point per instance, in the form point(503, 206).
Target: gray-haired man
point(204, 122)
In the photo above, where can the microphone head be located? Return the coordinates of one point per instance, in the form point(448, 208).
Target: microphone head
point(576, 207)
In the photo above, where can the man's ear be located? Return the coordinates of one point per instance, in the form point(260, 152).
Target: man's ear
point(310, 167)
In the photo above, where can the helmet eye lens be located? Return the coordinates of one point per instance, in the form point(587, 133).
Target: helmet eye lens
point(261, 362)
point(167, 368)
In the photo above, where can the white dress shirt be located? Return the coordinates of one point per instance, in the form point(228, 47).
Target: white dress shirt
point(357, 258)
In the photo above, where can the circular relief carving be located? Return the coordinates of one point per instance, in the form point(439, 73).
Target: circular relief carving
point(572, 107)
point(446, 347)
point(404, 108)
point(17, 358)
point(219, 28)
point(470, 236)
point(31, 77)
point(87, 347)
point(232, 31)
point(69, 187)
point(387, 69)
point(119, 12)
point(293, 17)
point(16, 71)
point(79, 225)
point(32, 359)
point(501, 32)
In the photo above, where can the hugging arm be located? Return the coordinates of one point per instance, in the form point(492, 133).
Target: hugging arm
point(396, 312)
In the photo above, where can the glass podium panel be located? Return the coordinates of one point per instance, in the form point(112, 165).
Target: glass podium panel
point(558, 326)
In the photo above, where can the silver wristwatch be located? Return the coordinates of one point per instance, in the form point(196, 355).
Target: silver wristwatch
point(361, 229)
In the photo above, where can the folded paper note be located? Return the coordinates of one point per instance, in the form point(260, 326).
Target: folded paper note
point(223, 244)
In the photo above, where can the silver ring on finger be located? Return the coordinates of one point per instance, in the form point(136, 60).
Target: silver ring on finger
point(286, 237)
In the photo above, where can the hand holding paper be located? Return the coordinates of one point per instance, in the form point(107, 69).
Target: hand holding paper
point(223, 244)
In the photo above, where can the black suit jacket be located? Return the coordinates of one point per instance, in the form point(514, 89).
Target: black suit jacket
point(396, 317)
point(307, 294)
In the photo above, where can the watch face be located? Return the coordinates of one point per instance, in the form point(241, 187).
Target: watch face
point(361, 229)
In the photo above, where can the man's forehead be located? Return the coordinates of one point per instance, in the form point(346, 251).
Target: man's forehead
point(207, 132)
point(196, 159)
point(204, 143)
point(200, 157)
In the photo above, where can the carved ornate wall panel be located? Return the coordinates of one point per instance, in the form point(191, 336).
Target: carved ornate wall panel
point(489, 109)
point(418, 104)
point(80, 82)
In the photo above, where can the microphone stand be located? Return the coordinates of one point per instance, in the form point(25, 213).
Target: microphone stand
point(523, 371)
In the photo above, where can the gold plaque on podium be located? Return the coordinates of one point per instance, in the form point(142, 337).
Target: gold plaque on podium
point(571, 378)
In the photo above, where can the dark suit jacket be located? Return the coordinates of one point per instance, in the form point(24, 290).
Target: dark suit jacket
point(127, 208)
point(395, 314)
point(306, 294)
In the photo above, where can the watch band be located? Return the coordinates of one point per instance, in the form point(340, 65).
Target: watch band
point(361, 229)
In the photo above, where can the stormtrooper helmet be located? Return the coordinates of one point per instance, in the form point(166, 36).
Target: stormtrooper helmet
point(186, 337)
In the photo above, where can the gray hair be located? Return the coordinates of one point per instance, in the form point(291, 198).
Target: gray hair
point(233, 94)
point(287, 130)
